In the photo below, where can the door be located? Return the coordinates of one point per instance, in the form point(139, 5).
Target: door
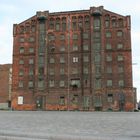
point(41, 103)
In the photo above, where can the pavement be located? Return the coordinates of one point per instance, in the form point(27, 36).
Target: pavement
point(68, 125)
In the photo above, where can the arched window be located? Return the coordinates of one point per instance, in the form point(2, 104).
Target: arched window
point(114, 22)
point(64, 26)
point(74, 23)
point(57, 25)
point(51, 23)
point(120, 22)
point(87, 22)
point(80, 21)
point(107, 21)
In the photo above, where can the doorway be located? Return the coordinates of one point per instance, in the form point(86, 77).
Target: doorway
point(41, 103)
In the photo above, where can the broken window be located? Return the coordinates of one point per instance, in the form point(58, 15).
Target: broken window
point(62, 100)
point(75, 83)
point(21, 50)
point(110, 98)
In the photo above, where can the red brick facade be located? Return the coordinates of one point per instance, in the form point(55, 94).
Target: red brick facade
point(5, 88)
point(77, 60)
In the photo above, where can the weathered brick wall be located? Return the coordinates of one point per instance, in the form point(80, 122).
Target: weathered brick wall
point(4, 83)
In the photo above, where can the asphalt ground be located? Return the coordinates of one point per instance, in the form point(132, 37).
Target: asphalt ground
point(68, 125)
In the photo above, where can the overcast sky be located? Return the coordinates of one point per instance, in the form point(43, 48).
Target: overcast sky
point(16, 11)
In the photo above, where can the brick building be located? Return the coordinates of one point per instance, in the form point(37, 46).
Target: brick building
point(75, 60)
point(5, 85)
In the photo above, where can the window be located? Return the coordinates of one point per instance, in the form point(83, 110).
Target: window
point(75, 70)
point(75, 83)
point(30, 84)
point(87, 22)
point(21, 50)
point(41, 71)
point(119, 46)
point(97, 83)
point(31, 39)
point(64, 26)
point(51, 71)
point(85, 35)
point(51, 37)
point(108, 46)
point(109, 83)
point(33, 28)
point(62, 48)
point(31, 71)
point(107, 23)
point(80, 21)
point(62, 83)
point(51, 23)
point(62, 100)
point(109, 58)
point(97, 46)
point(109, 69)
point(98, 69)
point(20, 100)
point(21, 39)
point(41, 60)
point(120, 69)
point(62, 59)
point(108, 34)
point(75, 59)
point(51, 83)
point(121, 83)
point(21, 29)
point(119, 33)
point(21, 72)
point(21, 61)
point(62, 71)
point(85, 47)
point(75, 36)
point(120, 57)
point(27, 28)
point(86, 102)
point(120, 22)
point(57, 26)
point(114, 23)
point(52, 60)
point(62, 37)
point(31, 50)
point(110, 98)
point(97, 57)
point(75, 47)
point(63, 23)
point(97, 23)
point(97, 34)
point(86, 59)
point(20, 84)
point(86, 70)
point(31, 61)
point(74, 25)
point(74, 99)
point(40, 83)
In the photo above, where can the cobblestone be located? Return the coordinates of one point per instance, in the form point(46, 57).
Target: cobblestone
point(45, 125)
